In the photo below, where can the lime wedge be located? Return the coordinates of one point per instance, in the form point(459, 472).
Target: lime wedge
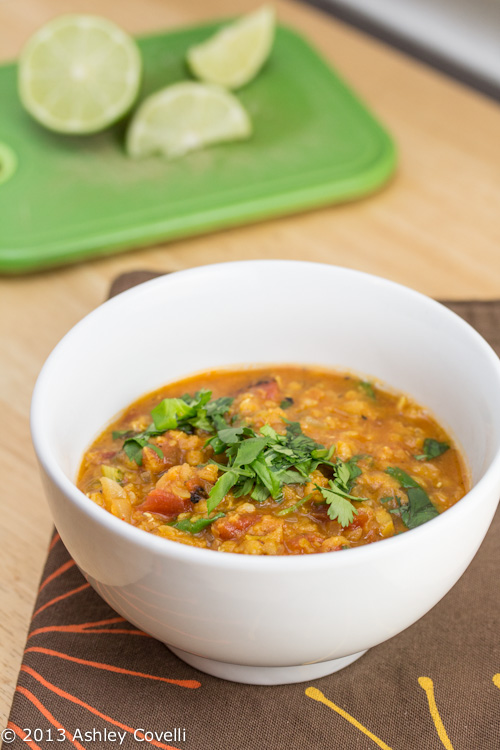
point(235, 54)
point(79, 74)
point(184, 117)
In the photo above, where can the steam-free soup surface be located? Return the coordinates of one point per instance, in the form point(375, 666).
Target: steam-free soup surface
point(275, 461)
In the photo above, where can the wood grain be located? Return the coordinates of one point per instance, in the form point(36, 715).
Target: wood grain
point(435, 228)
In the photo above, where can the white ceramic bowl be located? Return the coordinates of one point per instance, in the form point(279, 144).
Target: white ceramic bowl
point(268, 620)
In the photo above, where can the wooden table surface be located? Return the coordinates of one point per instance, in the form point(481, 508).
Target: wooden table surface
point(435, 228)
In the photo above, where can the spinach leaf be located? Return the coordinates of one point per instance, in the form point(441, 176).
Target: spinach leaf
point(419, 508)
point(432, 449)
point(404, 479)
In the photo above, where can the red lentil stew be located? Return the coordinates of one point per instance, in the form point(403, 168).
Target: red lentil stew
point(281, 461)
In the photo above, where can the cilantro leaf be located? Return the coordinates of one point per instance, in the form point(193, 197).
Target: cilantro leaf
point(432, 449)
point(186, 414)
point(199, 400)
point(221, 488)
point(245, 488)
point(118, 434)
point(230, 435)
point(249, 450)
point(339, 507)
point(354, 471)
point(169, 412)
point(217, 409)
point(337, 494)
point(286, 403)
point(261, 463)
point(133, 449)
point(419, 508)
point(268, 478)
point(260, 493)
point(290, 476)
point(133, 445)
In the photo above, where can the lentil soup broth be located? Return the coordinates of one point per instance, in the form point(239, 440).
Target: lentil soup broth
point(275, 461)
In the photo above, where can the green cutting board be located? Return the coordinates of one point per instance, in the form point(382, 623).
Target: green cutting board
point(69, 198)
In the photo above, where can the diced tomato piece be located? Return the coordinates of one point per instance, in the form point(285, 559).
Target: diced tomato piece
point(268, 389)
point(359, 520)
point(165, 503)
point(233, 528)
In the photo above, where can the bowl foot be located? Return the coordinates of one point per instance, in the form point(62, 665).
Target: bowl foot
point(265, 675)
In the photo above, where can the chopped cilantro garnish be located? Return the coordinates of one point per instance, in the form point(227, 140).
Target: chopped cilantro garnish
point(337, 494)
point(169, 412)
point(432, 449)
point(217, 409)
point(339, 507)
point(259, 464)
point(256, 464)
point(134, 444)
point(221, 488)
point(186, 414)
point(286, 403)
point(419, 508)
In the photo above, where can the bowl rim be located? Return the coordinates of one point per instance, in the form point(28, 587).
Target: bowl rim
point(209, 558)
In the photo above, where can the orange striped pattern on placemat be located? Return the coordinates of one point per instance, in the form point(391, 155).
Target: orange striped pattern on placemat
point(89, 679)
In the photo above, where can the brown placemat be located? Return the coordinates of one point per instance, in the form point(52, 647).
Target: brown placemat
point(92, 678)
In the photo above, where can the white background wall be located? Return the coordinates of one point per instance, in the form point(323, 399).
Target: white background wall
point(464, 31)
